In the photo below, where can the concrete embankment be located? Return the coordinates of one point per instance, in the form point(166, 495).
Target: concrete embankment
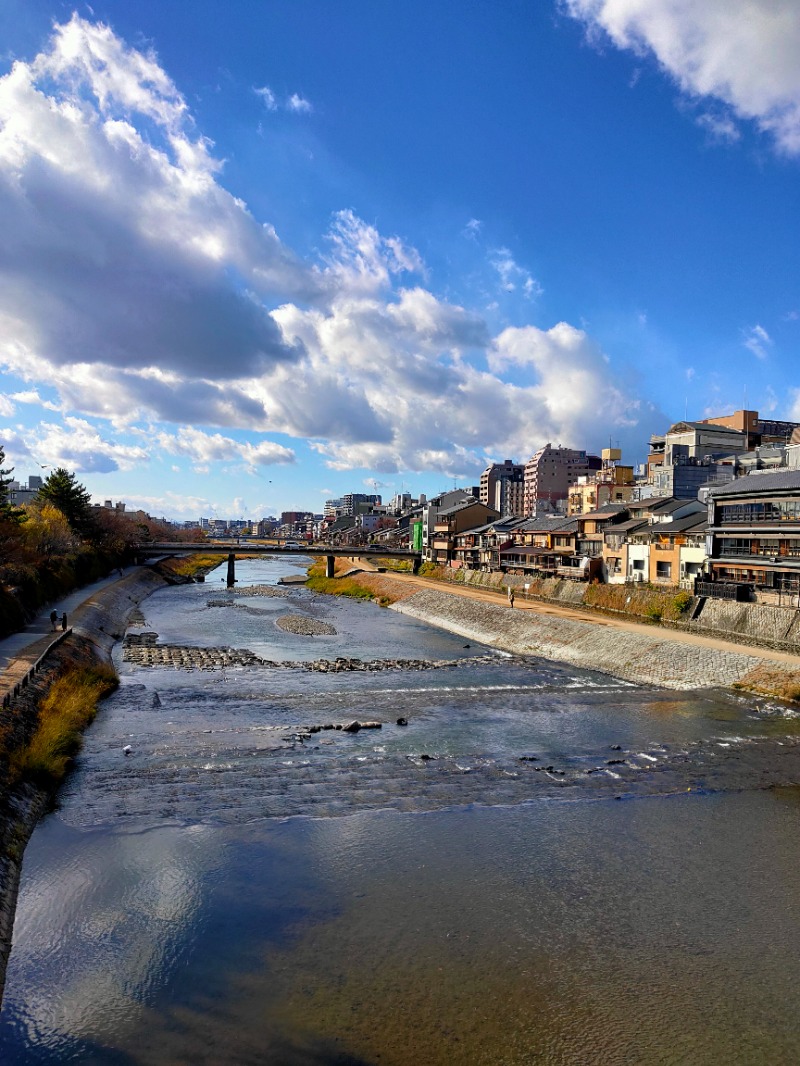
point(597, 645)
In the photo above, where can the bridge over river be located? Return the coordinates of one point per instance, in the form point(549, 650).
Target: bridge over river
point(161, 549)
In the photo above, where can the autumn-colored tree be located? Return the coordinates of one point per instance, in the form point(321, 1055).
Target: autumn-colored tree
point(114, 532)
point(63, 490)
point(47, 531)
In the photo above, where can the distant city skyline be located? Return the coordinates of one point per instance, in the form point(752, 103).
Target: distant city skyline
point(258, 256)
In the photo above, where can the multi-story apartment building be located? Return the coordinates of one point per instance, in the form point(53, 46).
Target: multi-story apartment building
point(430, 513)
point(542, 545)
point(685, 476)
point(550, 472)
point(19, 494)
point(503, 487)
point(612, 483)
point(754, 535)
point(352, 501)
point(451, 521)
point(479, 547)
point(332, 509)
point(592, 525)
point(677, 550)
point(616, 550)
point(695, 440)
point(758, 430)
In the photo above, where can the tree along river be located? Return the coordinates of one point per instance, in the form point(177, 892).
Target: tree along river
point(543, 866)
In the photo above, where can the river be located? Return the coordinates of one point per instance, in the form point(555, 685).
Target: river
point(544, 865)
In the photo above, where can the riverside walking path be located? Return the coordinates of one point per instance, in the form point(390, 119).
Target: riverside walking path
point(19, 651)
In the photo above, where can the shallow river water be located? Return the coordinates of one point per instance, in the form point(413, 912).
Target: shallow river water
point(543, 866)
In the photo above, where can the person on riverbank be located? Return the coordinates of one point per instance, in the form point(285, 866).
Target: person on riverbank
point(53, 620)
point(510, 597)
point(64, 622)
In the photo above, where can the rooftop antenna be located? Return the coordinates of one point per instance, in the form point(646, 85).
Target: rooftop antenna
point(685, 408)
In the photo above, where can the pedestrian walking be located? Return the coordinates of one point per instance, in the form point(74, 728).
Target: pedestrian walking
point(53, 619)
point(64, 621)
point(511, 597)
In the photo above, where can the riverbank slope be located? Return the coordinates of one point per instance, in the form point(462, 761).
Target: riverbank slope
point(616, 645)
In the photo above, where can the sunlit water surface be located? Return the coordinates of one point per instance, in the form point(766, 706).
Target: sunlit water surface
point(545, 865)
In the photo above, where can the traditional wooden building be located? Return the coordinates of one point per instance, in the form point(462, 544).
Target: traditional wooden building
point(754, 535)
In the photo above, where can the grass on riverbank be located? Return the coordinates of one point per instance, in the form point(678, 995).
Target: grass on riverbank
point(765, 680)
point(335, 586)
point(383, 589)
point(398, 566)
point(65, 711)
point(192, 565)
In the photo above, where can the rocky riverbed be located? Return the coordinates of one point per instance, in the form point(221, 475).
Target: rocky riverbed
point(143, 649)
point(304, 626)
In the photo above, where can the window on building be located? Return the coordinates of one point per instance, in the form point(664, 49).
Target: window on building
point(663, 571)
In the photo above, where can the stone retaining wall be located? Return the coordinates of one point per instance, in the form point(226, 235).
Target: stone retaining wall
point(776, 626)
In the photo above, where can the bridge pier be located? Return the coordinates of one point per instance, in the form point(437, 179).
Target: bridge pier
point(231, 570)
point(329, 567)
point(415, 564)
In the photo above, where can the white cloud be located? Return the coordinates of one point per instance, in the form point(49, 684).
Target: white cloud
point(31, 396)
point(120, 245)
point(139, 289)
point(472, 229)
point(268, 97)
point(364, 261)
point(6, 407)
point(171, 504)
point(299, 103)
point(205, 449)
point(758, 341)
point(81, 447)
point(720, 128)
point(741, 53)
point(513, 277)
point(296, 103)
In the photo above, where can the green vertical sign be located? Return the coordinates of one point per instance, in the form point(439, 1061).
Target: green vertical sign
point(416, 536)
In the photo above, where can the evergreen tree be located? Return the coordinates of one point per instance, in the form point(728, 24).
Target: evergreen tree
point(65, 492)
point(7, 512)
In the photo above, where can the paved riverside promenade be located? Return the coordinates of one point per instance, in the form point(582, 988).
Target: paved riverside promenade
point(630, 651)
point(86, 616)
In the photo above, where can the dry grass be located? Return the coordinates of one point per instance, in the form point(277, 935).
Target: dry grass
point(66, 710)
point(361, 586)
point(192, 565)
point(335, 586)
point(766, 680)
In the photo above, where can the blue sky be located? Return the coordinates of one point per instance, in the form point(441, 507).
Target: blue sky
point(257, 255)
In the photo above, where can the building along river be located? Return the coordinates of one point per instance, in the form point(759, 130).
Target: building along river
point(544, 865)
